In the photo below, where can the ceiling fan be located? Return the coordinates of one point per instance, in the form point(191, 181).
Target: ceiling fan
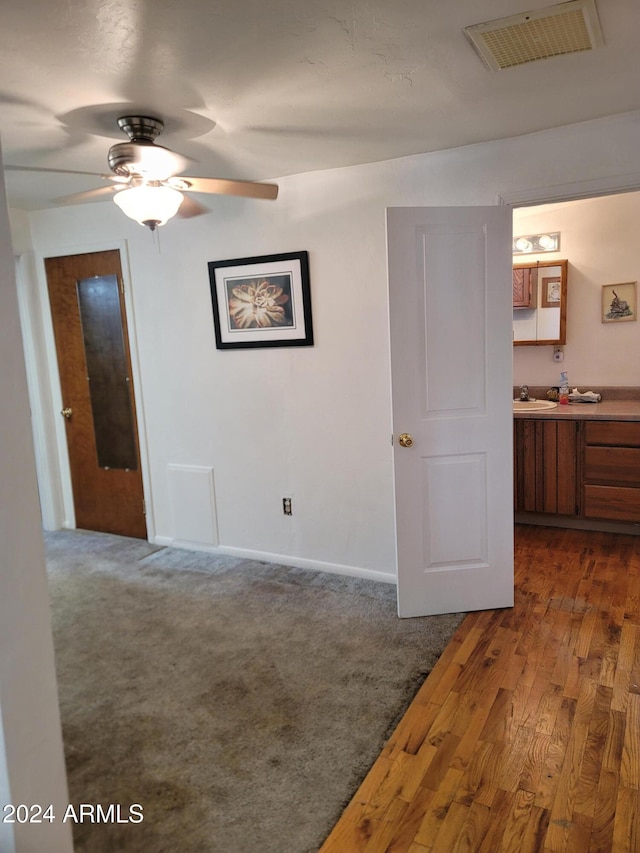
point(147, 184)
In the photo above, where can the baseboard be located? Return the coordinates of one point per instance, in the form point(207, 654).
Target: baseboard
point(577, 523)
point(280, 559)
point(168, 542)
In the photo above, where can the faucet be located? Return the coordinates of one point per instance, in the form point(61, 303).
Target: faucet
point(524, 393)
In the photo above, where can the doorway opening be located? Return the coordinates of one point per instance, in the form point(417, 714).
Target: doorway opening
point(598, 239)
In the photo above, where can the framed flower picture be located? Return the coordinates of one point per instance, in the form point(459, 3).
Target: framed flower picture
point(262, 302)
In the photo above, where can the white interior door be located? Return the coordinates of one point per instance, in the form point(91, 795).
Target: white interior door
point(451, 364)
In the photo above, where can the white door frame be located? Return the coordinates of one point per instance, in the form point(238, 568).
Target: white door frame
point(571, 191)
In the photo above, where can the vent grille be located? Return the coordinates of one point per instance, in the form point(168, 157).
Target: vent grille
point(567, 28)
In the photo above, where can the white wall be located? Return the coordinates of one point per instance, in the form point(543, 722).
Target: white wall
point(599, 238)
point(31, 759)
point(310, 423)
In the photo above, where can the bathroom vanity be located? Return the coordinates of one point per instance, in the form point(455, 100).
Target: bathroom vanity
point(579, 463)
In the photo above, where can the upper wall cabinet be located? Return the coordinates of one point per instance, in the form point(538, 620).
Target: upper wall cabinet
point(525, 287)
point(540, 303)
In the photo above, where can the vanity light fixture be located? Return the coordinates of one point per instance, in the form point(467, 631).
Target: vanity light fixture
point(535, 243)
point(150, 204)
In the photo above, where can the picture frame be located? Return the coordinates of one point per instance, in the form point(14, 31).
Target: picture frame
point(263, 301)
point(619, 302)
point(551, 293)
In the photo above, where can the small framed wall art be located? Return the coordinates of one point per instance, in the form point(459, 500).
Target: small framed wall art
point(618, 302)
point(262, 302)
point(551, 295)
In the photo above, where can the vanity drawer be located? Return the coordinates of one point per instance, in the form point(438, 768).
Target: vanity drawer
point(612, 465)
point(621, 433)
point(614, 503)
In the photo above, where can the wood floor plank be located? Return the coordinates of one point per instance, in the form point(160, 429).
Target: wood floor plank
point(413, 729)
point(438, 767)
point(579, 833)
point(526, 735)
point(630, 764)
point(438, 808)
point(451, 828)
point(536, 764)
point(626, 834)
point(469, 741)
point(384, 832)
point(586, 792)
point(497, 726)
point(500, 812)
point(515, 759)
point(604, 813)
point(516, 822)
point(418, 848)
point(479, 784)
point(626, 655)
point(403, 779)
point(536, 831)
point(612, 749)
point(473, 830)
point(548, 709)
point(406, 830)
point(513, 671)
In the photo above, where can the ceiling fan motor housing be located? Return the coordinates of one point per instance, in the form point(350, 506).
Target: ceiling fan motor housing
point(140, 156)
point(125, 158)
point(141, 128)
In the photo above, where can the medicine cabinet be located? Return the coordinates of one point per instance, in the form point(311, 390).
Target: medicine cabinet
point(540, 303)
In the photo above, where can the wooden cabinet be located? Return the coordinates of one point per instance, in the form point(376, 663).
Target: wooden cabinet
point(524, 286)
point(589, 470)
point(546, 463)
point(611, 479)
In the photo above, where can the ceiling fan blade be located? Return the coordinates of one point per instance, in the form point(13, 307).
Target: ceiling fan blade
point(88, 195)
point(54, 171)
point(223, 186)
point(190, 207)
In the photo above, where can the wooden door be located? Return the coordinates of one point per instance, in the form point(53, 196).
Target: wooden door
point(92, 346)
point(450, 289)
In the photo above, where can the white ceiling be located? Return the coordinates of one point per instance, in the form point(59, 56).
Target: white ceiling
point(259, 89)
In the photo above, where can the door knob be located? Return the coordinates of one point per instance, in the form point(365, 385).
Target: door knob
point(405, 440)
point(66, 413)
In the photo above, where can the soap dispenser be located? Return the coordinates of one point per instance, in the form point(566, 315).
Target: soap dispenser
point(564, 388)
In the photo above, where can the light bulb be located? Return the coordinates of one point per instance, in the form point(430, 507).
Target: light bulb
point(547, 242)
point(523, 245)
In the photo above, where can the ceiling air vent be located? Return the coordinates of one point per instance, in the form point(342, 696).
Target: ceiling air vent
point(567, 28)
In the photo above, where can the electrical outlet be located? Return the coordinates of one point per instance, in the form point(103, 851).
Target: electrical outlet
point(558, 354)
point(286, 506)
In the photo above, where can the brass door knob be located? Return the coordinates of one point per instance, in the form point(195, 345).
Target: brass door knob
point(405, 440)
point(66, 413)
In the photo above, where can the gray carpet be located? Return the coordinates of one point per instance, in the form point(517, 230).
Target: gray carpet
point(240, 703)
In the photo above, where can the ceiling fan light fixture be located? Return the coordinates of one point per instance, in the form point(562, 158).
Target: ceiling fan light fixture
point(149, 205)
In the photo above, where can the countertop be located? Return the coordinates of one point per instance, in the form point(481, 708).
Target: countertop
point(616, 410)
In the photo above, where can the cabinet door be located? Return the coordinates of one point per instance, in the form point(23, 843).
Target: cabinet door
point(524, 287)
point(546, 466)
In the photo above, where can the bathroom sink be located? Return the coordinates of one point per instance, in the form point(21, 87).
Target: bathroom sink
point(533, 405)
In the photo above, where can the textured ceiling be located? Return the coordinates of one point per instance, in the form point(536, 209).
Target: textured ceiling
point(259, 89)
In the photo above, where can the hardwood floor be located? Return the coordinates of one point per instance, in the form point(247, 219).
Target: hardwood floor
point(526, 735)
